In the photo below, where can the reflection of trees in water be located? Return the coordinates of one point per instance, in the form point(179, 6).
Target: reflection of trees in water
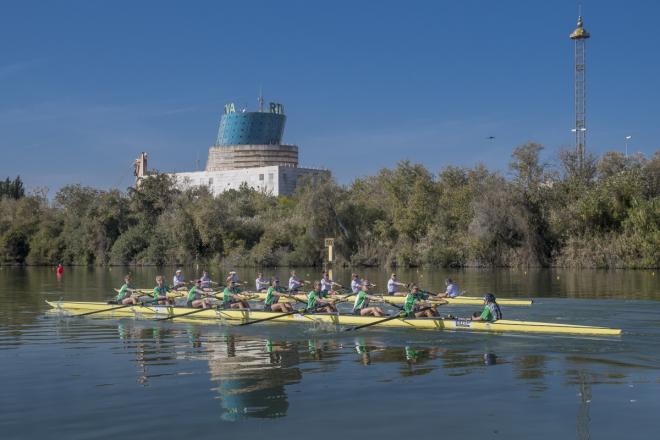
point(251, 376)
point(532, 368)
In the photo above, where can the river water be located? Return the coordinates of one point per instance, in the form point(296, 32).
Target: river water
point(88, 378)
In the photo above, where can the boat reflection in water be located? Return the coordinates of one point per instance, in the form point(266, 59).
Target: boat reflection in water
point(251, 375)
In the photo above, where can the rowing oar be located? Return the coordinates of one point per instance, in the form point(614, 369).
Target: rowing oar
point(301, 311)
point(112, 308)
point(389, 318)
point(380, 297)
point(183, 314)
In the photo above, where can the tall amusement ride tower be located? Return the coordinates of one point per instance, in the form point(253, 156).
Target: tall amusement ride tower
point(580, 36)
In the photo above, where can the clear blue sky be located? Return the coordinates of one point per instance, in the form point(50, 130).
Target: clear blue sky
point(86, 85)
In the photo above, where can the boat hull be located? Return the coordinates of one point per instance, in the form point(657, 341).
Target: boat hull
point(239, 316)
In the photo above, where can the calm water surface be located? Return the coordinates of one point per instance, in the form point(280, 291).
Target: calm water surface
point(82, 378)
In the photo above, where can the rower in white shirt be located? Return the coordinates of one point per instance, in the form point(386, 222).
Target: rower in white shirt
point(232, 278)
point(178, 280)
point(356, 283)
point(294, 283)
point(261, 283)
point(452, 290)
point(326, 285)
point(206, 280)
point(393, 286)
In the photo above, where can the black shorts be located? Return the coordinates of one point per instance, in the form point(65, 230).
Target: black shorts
point(357, 312)
point(189, 304)
point(268, 308)
point(113, 301)
point(227, 304)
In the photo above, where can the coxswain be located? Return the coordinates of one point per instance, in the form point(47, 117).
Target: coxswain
point(294, 283)
point(315, 305)
point(491, 311)
point(452, 290)
point(160, 291)
point(178, 281)
point(271, 303)
point(194, 298)
point(231, 299)
point(411, 305)
point(261, 284)
point(361, 304)
point(327, 285)
point(393, 286)
point(125, 294)
point(206, 280)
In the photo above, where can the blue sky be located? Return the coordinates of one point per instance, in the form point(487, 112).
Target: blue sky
point(86, 85)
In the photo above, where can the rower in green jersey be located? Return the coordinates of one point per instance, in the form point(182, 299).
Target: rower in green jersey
point(194, 298)
point(231, 299)
point(411, 305)
point(126, 293)
point(361, 304)
point(160, 291)
point(273, 296)
point(315, 305)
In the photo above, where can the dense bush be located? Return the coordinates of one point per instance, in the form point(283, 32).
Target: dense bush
point(591, 213)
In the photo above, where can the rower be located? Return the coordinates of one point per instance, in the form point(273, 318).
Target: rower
point(314, 305)
point(231, 299)
point(294, 282)
point(206, 280)
point(160, 291)
point(261, 283)
point(326, 285)
point(356, 283)
point(452, 290)
point(125, 295)
point(273, 296)
point(411, 305)
point(361, 305)
point(232, 278)
point(194, 298)
point(393, 286)
point(178, 281)
point(491, 311)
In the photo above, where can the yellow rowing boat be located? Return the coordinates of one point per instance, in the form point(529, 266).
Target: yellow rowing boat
point(397, 299)
point(239, 316)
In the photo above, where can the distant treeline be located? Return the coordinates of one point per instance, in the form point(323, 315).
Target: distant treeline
point(592, 213)
point(12, 188)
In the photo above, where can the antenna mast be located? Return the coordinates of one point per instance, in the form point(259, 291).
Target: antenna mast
point(260, 99)
point(580, 36)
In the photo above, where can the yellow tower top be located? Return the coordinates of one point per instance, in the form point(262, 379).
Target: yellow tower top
point(580, 33)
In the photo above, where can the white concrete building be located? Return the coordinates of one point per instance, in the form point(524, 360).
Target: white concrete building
point(275, 180)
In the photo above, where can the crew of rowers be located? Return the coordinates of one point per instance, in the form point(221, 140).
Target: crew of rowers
point(416, 303)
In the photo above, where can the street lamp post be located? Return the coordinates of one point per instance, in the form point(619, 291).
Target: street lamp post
point(626, 142)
